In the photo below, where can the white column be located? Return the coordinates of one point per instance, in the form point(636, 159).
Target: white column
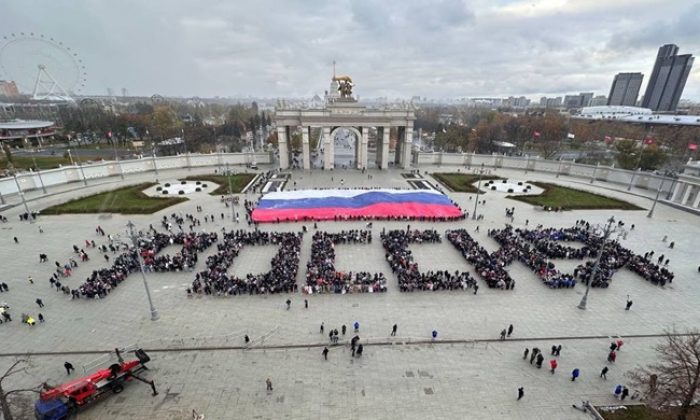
point(687, 194)
point(327, 149)
point(282, 146)
point(407, 146)
point(384, 163)
point(697, 200)
point(305, 147)
point(677, 190)
point(364, 145)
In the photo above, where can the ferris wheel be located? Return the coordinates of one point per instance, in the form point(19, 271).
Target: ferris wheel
point(42, 66)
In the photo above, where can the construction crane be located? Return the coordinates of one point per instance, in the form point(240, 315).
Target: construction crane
point(61, 402)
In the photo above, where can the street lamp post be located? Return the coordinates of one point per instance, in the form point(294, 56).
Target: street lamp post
point(38, 171)
point(155, 167)
point(70, 157)
point(559, 168)
point(606, 234)
point(478, 189)
point(116, 157)
point(187, 152)
point(155, 316)
point(658, 193)
point(21, 195)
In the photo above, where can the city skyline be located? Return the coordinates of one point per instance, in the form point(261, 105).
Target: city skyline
point(448, 49)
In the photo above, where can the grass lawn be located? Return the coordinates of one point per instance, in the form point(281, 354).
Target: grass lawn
point(238, 182)
point(642, 412)
point(127, 200)
point(459, 182)
point(572, 199)
point(43, 162)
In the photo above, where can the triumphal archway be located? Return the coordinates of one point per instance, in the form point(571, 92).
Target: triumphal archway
point(340, 109)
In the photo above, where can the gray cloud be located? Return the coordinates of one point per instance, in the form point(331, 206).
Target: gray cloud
point(395, 48)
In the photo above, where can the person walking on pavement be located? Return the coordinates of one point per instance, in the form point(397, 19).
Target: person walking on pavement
point(540, 360)
point(39, 302)
point(476, 288)
point(69, 367)
point(533, 356)
point(357, 326)
point(625, 393)
point(268, 382)
point(306, 304)
point(558, 352)
point(554, 350)
point(503, 334)
point(612, 356)
point(393, 330)
point(343, 329)
point(521, 393)
point(510, 330)
point(604, 373)
point(289, 304)
point(629, 303)
point(553, 365)
point(321, 327)
point(325, 353)
point(575, 374)
point(527, 351)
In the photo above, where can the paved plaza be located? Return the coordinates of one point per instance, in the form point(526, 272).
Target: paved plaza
point(199, 360)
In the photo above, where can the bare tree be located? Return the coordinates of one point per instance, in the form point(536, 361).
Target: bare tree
point(19, 366)
point(672, 382)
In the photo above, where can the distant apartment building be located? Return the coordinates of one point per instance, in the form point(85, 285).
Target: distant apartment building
point(625, 89)
point(667, 79)
point(581, 100)
point(8, 89)
point(599, 100)
point(521, 102)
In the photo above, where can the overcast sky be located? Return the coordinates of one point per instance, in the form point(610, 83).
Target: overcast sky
point(394, 48)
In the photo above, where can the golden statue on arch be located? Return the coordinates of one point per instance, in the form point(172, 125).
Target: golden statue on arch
point(344, 84)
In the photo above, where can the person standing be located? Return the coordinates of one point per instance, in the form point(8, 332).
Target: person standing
point(510, 330)
point(325, 353)
point(39, 302)
point(629, 303)
point(343, 329)
point(575, 374)
point(476, 288)
point(321, 327)
point(306, 304)
point(553, 365)
point(612, 356)
point(625, 393)
point(393, 330)
point(558, 352)
point(268, 382)
point(604, 373)
point(527, 351)
point(289, 304)
point(69, 367)
point(521, 393)
point(503, 334)
point(357, 326)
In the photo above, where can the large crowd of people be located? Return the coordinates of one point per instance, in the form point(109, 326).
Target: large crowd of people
point(281, 278)
point(489, 267)
point(321, 275)
point(535, 248)
point(400, 258)
point(102, 281)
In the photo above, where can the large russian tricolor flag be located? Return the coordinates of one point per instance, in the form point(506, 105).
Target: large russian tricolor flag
point(329, 204)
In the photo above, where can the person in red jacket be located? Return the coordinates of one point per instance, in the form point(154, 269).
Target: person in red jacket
point(553, 365)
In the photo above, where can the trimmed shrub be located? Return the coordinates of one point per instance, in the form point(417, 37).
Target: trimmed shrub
point(165, 191)
point(159, 188)
point(167, 184)
point(493, 188)
point(181, 192)
point(510, 190)
point(198, 189)
point(183, 182)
